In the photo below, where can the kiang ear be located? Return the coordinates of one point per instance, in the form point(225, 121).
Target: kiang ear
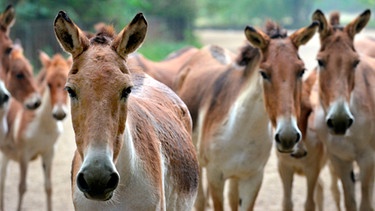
point(302, 36)
point(131, 37)
point(358, 24)
point(7, 18)
point(44, 59)
point(70, 37)
point(324, 27)
point(257, 38)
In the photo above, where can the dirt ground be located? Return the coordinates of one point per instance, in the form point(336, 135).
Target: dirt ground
point(270, 195)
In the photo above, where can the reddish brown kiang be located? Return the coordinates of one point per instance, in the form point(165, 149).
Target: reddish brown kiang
point(232, 107)
point(344, 115)
point(33, 133)
point(133, 133)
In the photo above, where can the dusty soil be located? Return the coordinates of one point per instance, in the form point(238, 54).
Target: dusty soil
point(269, 197)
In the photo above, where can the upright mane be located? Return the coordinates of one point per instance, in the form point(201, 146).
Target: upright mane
point(104, 33)
point(334, 20)
point(274, 30)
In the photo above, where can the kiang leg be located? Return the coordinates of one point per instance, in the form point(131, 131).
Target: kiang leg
point(4, 165)
point(233, 194)
point(216, 187)
point(249, 189)
point(22, 185)
point(366, 165)
point(344, 170)
point(47, 169)
point(286, 174)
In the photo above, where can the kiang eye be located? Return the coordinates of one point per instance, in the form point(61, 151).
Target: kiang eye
point(355, 64)
point(8, 50)
point(71, 92)
point(20, 76)
point(321, 63)
point(264, 75)
point(125, 93)
point(301, 73)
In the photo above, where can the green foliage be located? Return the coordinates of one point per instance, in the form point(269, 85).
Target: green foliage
point(348, 6)
point(159, 50)
point(289, 13)
point(179, 15)
point(85, 12)
point(227, 14)
point(171, 22)
point(172, 8)
point(34, 21)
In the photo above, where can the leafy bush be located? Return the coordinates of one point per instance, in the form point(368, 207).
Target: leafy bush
point(159, 50)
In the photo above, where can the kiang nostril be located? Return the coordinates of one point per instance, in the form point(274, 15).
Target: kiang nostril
point(298, 137)
point(37, 103)
point(113, 181)
point(330, 123)
point(81, 182)
point(350, 122)
point(6, 98)
point(277, 138)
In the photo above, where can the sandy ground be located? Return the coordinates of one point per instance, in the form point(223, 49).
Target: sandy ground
point(269, 197)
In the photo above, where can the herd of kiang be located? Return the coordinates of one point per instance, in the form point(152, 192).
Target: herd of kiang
point(142, 144)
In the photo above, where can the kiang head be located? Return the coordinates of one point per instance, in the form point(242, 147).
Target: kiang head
point(99, 85)
point(282, 69)
point(338, 60)
point(55, 74)
point(20, 81)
